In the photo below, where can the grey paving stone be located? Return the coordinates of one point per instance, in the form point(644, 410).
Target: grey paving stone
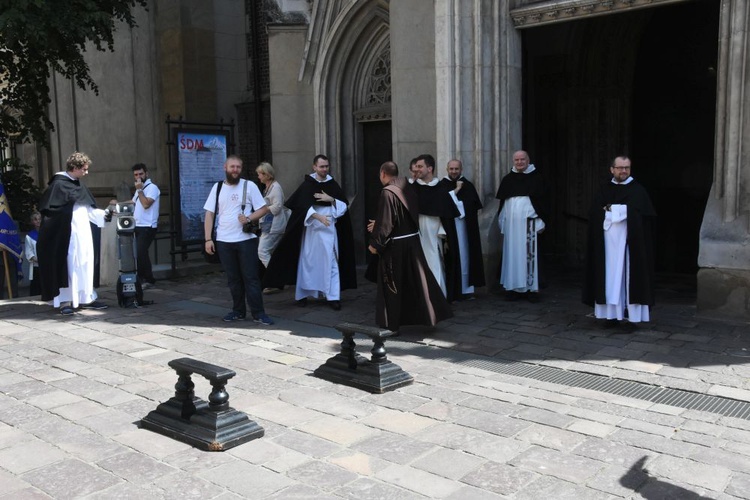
point(647, 427)
point(573, 468)
point(447, 463)
point(394, 448)
point(653, 443)
point(306, 444)
point(194, 460)
point(545, 417)
point(452, 436)
point(130, 490)
point(300, 492)
point(135, 467)
point(722, 458)
point(187, 486)
point(327, 403)
point(10, 482)
point(322, 475)
point(30, 455)
point(246, 480)
point(711, 477)
point(418, 481)
point(470, 492)
point(25, 494)
point(611, 452)
point(618, 480)
point(370, 489)
point(558, 489)
point(550, 437)
point(494, 424)
point(739, 486)
point(498, 478)
point(70, 479)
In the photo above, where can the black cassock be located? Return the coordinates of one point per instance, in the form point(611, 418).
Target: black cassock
point(641, 223)
point(56, 207)
point(282, 268)
point(472, 205)
point(408, 293)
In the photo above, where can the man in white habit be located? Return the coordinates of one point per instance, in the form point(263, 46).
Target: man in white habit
point(318, 239)
point(523, 201)
point(619, 281)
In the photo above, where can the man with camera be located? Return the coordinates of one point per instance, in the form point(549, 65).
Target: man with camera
point(146, 215)
point(238, 203)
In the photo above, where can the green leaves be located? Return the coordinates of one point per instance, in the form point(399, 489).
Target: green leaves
point(39, 35)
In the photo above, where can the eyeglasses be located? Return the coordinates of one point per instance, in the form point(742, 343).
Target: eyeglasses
point(621, 168)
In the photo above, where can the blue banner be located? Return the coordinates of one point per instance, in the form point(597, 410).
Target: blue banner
point(9, 237)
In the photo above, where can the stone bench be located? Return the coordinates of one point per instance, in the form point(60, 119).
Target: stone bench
point(376, 375)
point(211, 425)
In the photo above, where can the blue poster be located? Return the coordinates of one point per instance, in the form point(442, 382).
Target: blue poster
point(201, 158)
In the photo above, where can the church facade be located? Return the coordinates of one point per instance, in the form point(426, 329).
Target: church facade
point(573, 82)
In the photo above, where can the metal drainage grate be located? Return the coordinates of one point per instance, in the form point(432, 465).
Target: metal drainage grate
point(637, 390)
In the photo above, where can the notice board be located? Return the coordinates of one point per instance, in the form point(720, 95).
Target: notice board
point(200, 164)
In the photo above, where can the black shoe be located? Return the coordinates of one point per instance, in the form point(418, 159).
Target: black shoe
point(628, 327)
point(67, 310)
point(532, 297)
point(512, 296)
point(97, 305)
point(302, 302)
point(335, 305)
point(611, 323)
point(468, 296)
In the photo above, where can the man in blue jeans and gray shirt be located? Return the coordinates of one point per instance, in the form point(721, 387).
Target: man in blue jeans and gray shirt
point(238, 250)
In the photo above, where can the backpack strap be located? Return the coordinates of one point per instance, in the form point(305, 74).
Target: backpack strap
point(216, 205)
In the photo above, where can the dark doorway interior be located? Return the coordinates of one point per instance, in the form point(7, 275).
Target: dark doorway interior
point(377, 149)
point(642, 83)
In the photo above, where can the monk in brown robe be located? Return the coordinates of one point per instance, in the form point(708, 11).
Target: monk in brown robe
point(408, 293)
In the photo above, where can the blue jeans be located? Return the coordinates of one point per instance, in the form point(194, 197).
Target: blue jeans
point(240, 263)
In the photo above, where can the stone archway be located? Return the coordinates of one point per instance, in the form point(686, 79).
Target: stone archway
point(349, 61)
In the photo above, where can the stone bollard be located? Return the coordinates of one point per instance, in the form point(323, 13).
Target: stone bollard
point(376, 375)
point(212, 425)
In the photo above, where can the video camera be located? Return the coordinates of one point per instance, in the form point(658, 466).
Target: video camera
point(129, 289)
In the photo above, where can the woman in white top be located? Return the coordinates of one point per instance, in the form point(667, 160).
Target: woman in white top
point(273, 224)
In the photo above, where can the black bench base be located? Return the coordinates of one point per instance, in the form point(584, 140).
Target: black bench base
point(210, 426)
point(376, 375)
point(205, 430)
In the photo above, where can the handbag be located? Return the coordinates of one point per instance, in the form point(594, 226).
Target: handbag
point(214, 257)
point(250, 226)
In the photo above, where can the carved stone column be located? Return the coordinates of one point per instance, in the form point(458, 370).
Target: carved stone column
point(724, 258)
point(478, 86)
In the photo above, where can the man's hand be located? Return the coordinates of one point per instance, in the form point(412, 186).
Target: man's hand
point(459, 185)
point(322, 219)
point(322, 196)
point(138, 184)
point(372, 249)
point(243, 219)
point(370, 225)
point(210, 250)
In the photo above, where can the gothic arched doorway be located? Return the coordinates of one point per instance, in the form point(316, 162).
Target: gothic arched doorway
point(641, 83)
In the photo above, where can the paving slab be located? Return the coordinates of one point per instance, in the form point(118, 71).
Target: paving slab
point(74, 390)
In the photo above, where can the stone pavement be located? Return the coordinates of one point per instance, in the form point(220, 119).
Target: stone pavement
point(72, 390)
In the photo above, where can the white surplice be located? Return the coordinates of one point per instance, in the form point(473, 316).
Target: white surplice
point(520, 269)
point(318, 268)
point(430, 232)
point(80, 288)
point(617, 274)
point(463, 244)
